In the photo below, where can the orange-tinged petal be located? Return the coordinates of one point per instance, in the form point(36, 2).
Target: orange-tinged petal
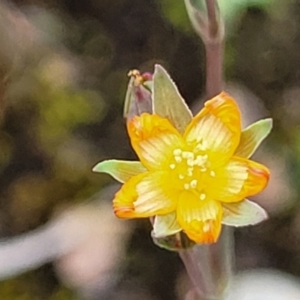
point(145, 195)
point(201, 220)
point(123, 202)
point(236, 180)
point(153, 138)
point(216, 130)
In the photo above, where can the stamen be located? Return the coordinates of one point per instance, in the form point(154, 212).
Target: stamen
point(203, 169)
point(177, 152)
point(187, 154)
point(202, 146)
point(193, 183)
point(181, 176)
point(178, 159)
point(190, 171)
point(186, 186)
point(202, 196)
point(172, 166)
point(200, 160)
point(212, 173)
point(190, 162)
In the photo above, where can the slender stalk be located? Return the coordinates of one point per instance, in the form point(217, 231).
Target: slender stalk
point(214, 51)
point(212, 17)
point(210, 267)
point(206, 20)
point(214, 69)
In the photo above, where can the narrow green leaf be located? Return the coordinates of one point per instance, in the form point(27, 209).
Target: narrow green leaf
point(167, 101)
point(121, 170)
point(252, 137)
point(165, 225)
point(243, 213)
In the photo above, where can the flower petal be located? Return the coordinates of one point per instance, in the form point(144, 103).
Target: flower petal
point(165, 225)
point(252, 137)
point(201, 220)
point(121, 170)
point(216, 129)
point(123, 203)
point(238, 179)
point(243, 213)
point(167, 102)
point(153, 138)
point(145, 195)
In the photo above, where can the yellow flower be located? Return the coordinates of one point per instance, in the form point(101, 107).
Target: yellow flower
point(189, 181)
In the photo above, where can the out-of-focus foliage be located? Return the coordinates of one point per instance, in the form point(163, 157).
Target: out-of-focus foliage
point(231, 10)
point(27, 288)
point(176, 13)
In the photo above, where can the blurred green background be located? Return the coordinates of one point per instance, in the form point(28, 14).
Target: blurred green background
point(63, 78)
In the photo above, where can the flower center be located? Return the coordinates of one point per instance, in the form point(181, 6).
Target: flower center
point(191, 168)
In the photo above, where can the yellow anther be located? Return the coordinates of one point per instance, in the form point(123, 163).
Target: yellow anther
point(203, 169)
point(199, 161)
point(177, 152)
point(172, 166)
point(212, 173)
point(186, 186)
point(190, 171)
point(202, 196)
point(178, 159)
point(193, 184)
point(190, 162)
point(187, 154)
point(202, 146)
point(181, 176)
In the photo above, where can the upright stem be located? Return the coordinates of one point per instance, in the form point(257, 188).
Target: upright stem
point(212, 17)
point(205, 17)
point(214, 51)
point(210, 266)
point(214, 69)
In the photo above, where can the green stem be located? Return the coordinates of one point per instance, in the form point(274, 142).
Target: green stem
point(214, 69)
point(210, 266)
point(214, 50)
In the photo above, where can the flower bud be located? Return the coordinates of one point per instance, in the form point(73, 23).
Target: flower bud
point(206, 20)
point(138, 96)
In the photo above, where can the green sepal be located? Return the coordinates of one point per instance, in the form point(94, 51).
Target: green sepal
point(243, 213)
point(148, 85)
point(165, 225)
point(167, 101)
point(176, 242)
point(128, 97)
point(121, 170)
point(252, 137)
